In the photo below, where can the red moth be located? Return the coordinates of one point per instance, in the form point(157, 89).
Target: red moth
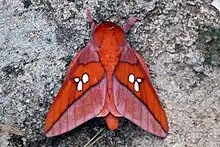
point(107, 78)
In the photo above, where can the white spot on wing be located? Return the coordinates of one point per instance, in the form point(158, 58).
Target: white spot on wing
point(131, 78)
point(136, 86)
point(139, 80)
point(76, 80)
point(79, 86)
point(85, 78)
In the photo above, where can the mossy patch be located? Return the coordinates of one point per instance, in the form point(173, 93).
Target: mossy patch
point(209, 43)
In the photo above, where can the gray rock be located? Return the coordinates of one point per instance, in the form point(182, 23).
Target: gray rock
point(38, 39)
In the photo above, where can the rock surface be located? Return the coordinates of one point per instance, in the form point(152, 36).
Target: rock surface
point(179, 39)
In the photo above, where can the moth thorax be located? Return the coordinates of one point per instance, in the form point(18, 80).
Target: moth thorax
point(109, 59)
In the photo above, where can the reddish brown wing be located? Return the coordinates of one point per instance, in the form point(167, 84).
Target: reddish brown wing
point(135, 97)
point(80, 97)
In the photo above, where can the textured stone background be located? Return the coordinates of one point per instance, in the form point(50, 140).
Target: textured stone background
point(180, 39)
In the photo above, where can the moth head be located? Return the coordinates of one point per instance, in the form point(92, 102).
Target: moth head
point(108, 30)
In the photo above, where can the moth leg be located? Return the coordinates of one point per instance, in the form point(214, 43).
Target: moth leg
point(92, 22)
point(130, 24)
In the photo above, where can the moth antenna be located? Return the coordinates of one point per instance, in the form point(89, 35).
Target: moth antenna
point(91, 20)
point(130, 24)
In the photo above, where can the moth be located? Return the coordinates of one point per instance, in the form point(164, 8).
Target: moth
point(109, 79)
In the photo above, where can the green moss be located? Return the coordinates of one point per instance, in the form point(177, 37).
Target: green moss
point(209, 43)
